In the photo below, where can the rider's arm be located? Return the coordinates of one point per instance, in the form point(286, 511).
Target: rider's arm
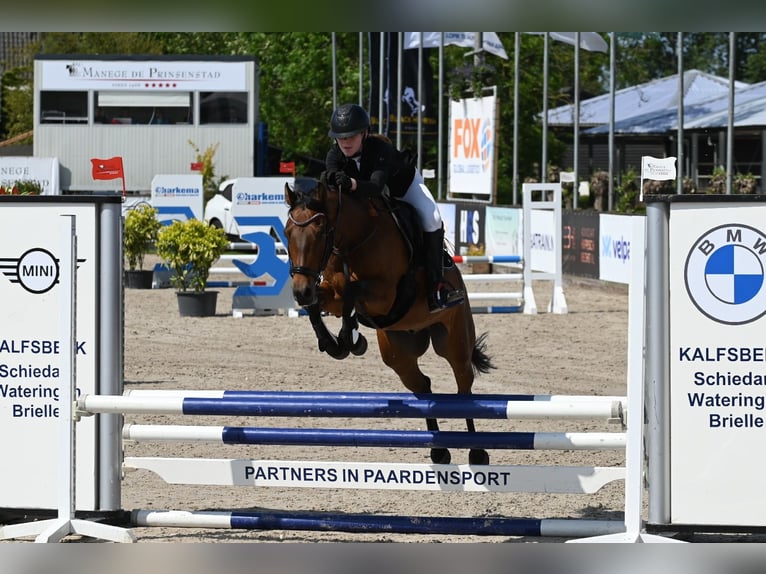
point(381, 157)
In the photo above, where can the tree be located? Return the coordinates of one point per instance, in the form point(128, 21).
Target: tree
point(296, 80)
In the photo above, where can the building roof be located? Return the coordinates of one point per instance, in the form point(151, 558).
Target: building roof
point(749, 111)
point(651, 107)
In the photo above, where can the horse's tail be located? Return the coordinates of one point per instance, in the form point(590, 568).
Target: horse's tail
point(480, 360)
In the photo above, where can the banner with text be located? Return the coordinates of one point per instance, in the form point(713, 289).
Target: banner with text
point(472, 148)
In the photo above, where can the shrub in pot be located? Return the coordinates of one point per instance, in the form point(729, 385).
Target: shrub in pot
point(189, 249)
point(140, 233)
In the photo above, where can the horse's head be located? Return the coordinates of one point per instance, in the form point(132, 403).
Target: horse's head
point(309, 236)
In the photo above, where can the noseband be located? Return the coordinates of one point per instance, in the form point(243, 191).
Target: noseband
point(328, 244)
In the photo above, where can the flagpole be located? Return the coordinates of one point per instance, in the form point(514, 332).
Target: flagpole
point(680, 137)
point(612, 83)
point(381, 62)
point(420, 98)
point(398, 95)
point(516, 49)
point(544, 167)
point(576, 183)
point(730, 126)
point(440, 152)
point(361, 67)
point(334, 76)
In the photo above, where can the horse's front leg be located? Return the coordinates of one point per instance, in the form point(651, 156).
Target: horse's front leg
point(327, 341)
point(349, 334)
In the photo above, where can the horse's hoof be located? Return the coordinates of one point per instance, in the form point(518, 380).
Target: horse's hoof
point(477, 456)
point(440, 456)
point(333, 349)
point(339, 353)
point(361, 346)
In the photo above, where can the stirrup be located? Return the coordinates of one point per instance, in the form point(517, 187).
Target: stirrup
point(444, 297)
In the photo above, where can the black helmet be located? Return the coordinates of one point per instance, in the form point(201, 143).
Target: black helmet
point(348, 120)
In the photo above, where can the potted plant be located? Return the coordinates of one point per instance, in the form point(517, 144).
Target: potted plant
point(189, 249)
point(141, 229)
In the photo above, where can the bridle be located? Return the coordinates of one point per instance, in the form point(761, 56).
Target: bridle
point(329, 238)
point(327, 233)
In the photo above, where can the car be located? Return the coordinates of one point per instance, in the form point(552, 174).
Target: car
point(218, 210)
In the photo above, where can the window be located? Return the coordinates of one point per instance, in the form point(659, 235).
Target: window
point(63, 107)
point(223, 107)
point(143, 108)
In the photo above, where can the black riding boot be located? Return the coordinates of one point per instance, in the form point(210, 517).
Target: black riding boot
point(440, 293)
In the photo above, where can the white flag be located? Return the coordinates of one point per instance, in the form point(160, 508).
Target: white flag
point(656, 168)
point(490, 40)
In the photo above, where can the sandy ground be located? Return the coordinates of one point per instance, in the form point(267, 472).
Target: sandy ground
point(579, 353)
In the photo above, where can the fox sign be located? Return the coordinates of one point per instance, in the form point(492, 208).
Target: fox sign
point(473, 147)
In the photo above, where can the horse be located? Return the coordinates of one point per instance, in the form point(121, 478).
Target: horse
point(350, 258)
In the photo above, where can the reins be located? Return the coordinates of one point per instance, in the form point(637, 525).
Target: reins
point(329, 234)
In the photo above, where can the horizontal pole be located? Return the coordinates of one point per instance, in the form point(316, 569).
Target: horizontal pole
point(487, 258)
point(353, 395)
point(491, 277)
point(377, 438)
point(354, 407)
point(560, 527)
point(474, 296)
point(497, 309)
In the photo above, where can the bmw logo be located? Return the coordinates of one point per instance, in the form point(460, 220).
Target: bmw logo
point(724, 274)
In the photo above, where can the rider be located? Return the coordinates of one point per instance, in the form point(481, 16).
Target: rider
point(367, 163)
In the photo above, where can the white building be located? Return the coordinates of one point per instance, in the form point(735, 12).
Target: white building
point(147, 110)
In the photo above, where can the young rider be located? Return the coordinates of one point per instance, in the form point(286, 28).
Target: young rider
point(363, 163)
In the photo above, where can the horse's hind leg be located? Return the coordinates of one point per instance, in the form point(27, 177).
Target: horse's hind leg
point(400, 351)
point(457, 348)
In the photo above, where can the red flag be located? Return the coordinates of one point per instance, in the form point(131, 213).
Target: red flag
point(107, 168)
point(196, 166)
point(287, 167)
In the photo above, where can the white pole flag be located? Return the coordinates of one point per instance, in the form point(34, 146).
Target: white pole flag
point(658, 169)
point(490, 40)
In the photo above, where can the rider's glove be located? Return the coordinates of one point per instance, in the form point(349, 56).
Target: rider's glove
point(342, 181)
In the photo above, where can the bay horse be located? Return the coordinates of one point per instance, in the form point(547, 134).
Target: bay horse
point(349, 258)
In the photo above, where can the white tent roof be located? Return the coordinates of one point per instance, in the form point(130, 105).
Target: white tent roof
point(645, 108)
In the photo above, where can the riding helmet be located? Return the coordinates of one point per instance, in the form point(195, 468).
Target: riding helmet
point(348, 120)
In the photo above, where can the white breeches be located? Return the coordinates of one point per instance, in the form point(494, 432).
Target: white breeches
point(419, 197)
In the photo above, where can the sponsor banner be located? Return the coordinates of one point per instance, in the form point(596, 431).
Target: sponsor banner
point(405, 101)
point(717, 356)
point(580, 243)
point(620, 239)
point(31, 384)
point(43, 170)
point(470, 228)
point(502, 229)
point(472, 147)
point(178, 197)
point(123, 75)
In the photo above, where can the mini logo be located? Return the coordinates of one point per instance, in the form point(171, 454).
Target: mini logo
point(37, 270)
point(724, 274)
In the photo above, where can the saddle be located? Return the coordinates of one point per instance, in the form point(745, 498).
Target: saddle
point(407, 221)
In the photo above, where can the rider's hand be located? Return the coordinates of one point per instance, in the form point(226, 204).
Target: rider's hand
point(342, 181)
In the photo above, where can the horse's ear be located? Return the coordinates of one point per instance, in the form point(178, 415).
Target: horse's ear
point(290, 196)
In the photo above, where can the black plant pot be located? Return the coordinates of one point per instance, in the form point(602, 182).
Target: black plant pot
point(197, 304)
point(138, 279)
